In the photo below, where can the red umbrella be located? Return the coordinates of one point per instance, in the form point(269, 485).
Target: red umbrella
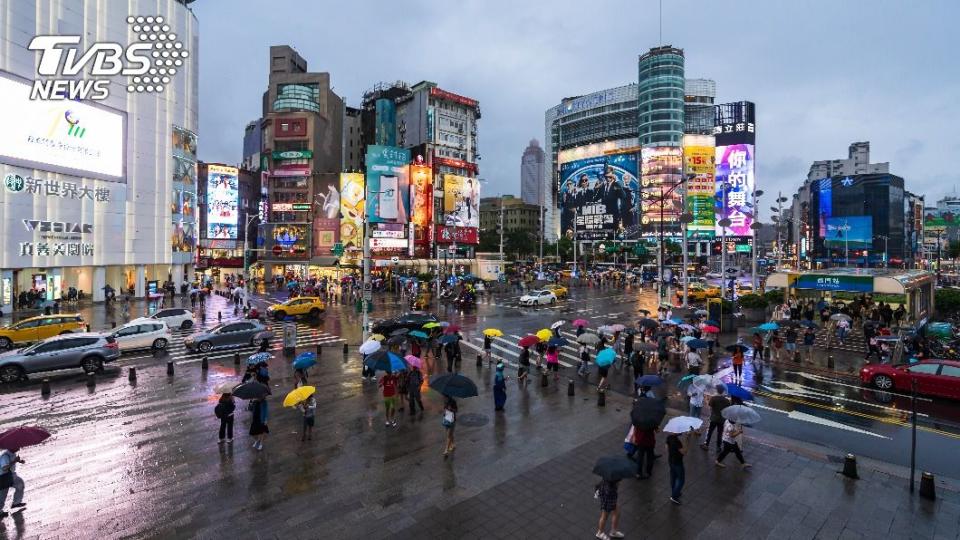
point(527, 341)
point(18, 437)
point(452, 329)
point(711, 329)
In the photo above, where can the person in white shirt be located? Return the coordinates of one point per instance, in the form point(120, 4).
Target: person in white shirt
point(732, 442)
point(694, 361)
point(696, 400)
point(8, 466)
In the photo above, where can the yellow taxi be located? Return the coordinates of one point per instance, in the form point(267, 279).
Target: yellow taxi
point(698, 293)
point(558, 290)
point(40, 327)
point(744, 288)
point(301, 305)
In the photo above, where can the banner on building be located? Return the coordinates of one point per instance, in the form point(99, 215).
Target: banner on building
point(599, 196)
point(735, 169)
point(699, 164)
point(421, 201)
point(459, 235)
point(351, 210)
point(223, 195)
point(388, 184)
point(461, 201)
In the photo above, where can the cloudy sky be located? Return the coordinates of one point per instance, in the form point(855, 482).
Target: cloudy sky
point(823, 73)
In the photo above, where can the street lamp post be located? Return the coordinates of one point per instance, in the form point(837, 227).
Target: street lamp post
point(723, 223)
point(755, 226)
point(246, 265)
point(684, 219)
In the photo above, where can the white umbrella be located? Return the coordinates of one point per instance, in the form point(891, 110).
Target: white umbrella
point(557, 324)
point(741, 414)
point(225, 388)
point(605, 330)
point(685, 339)
point(838, 316)
point(369, 346)
point(682, 424)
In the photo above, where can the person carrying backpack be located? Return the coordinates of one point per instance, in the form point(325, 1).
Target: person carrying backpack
point(224, 411)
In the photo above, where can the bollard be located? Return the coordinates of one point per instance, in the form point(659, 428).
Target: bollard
point(927, 490)
point(205, 364)
point(850, 467)
point(88, 328)
point(601, 398)
point(544, 380)
point(203, 316)
point(479, 360)
point(91, 379)
point(113, 324)
point(219, 316)
point(132, 375)
point(345, 348)
point(319, 350)
point(45, 387)
point(570, 390)
point(170, 368)
point(236, 358)
point(830, 363)
point(235, 310)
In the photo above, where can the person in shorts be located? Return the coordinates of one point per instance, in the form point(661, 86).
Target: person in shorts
point(791, 342)
point(553, 361)
point(309, 408)
point(524, 365)
point(809, 337)
point(606, 492)
point(389, 384)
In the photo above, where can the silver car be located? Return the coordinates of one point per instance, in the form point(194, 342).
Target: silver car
point(243, 333)
point(88, 351)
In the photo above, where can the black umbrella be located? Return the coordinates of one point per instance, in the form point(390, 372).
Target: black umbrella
point(733, 348)
point(647, 413)
point(648, 323)
point(399, 331)
point(614, 468)
point(790, 323)
point(251, 390)
point(645, 346)
point(664, 334)
point(396, 340)
point(454, 385)
point(644, 311)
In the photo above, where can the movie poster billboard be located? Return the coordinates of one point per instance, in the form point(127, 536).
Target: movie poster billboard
point(326, 216)
point(421, 201)
point(599, 196)
point(461, 201)
point(351, 210)
point(222, 198)
point(854, 232)
point(388, 184)
point(661, 172)
point(735, 167)
point(699, 163)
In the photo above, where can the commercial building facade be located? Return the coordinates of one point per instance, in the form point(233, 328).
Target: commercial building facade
point(516, 214)
point(228, 211)
point(97, 192)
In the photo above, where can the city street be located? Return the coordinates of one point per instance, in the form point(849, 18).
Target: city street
point(141, 458)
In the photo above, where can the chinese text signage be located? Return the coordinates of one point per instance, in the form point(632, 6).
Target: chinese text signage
point(735, 169)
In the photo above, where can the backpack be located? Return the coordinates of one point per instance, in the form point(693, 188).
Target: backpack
point(219, 411)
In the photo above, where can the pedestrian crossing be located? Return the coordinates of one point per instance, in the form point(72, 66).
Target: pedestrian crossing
point(506, 349)
point(575, 305)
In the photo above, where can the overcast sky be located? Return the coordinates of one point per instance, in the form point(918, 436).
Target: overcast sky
point(823, 73)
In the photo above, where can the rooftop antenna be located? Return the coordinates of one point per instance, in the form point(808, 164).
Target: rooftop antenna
point(661, 23)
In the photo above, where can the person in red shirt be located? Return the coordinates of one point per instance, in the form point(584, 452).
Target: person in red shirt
point(645, 440)
point(389, 383)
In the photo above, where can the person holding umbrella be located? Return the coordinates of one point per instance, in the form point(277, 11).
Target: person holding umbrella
point(224, 411)
point(9, 478)
point(309, 409)
point(523, 366)
point(553, 361)
point(449, 422)
point(499, 388)
point(389, 383)
point(258, 424)
point(736, 416)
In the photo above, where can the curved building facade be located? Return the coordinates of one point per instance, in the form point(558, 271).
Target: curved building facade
point(98, 189)
point(660, 97)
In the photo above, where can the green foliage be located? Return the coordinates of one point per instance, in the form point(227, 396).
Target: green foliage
point(947, 301)
point(489, 241)
point(774, 296)
point(753, 301)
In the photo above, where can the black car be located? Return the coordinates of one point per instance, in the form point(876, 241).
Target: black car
point(410, 321)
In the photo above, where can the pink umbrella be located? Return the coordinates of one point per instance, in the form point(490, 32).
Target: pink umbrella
point(413, 361)
point(18, 437)
point(580, 322)
point(452, 329)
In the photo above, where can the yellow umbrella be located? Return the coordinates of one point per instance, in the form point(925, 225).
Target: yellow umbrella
point(492, 332)
point(544, 334)
point(298, 395)
point(378, 337)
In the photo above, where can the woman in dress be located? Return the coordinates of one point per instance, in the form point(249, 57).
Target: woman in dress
point(258, 426)
point(499, 388)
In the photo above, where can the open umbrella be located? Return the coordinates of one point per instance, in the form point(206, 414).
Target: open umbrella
point(256, 358)
point(737, 391)
point(701, 312)
point(682, 424)
point(304, 360)
point(685, 339)
point(431, 325)
point(529, 340)
point(16, 438)
point(648, 380)
point(418, 334)
point(384, 360)
point(449, 338)
point(734, 348)
point(369, 346)
point(580, 322)
point(647, 413)
point(669, 322)
point(251, 390)
point(605, 329)
point(453, 385)
point(492, 332)
point(606, 357)
point(399, 332)
point(675, 320)
point(648, 323)
point(711, 322)
point(225, 388)
point(839, 316)
point(687, 327)
point(444, 324)
point(663, 334)
point(544, 334)
point(644, 311)
point(451, 329)
point(413, 361)
point(809, 324)
point(644, 346)
point(558, 342)
point(618, 327)
point(740, 414)
point(588, 339)
point(790, 323)
point(298, 395)
point(710, 329)
point(700, 381)
point(557, 324)
point(378, 337)
point(698, 344)
point(614, 468)
point(396, 340)
point(769, 326)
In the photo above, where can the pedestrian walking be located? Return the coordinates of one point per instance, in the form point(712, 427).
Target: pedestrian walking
point(309, 409)
point(403, 387)
point(541, 349)
point(389, 383)
point(553, 361)
point(606, 493)
point(843, 327)
point(677, 446)
point(487, 345)
point(258, 425)
point(499, 388)
point(299, 377)
point(584, 360)
point(694, 361)
point(777, 341)
point(717, 404)
point(449, 422)
point(873, 348)
point(524, 365)
point(10, 479)
point(646, 441)
point(791, 344)
point(809, 338)
point(732, 443)
point(736, 361)
point(414, 380)
point(695, 394)
point(637, 360)
point(224, 411)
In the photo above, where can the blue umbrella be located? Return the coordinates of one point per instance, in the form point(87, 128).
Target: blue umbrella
point(418, 334)
point(676, 320)
point(384, 360)
point(606, 357)
point(649, 380)
point(737, 391)
point(449, 338)
point(304, 360)
point(712, 322)
point(770, 326)
point(698, 344)
point(256, 358)
point(557, 342)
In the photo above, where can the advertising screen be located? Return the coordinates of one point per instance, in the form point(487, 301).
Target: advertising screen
point(661, 169)
point(461, 201)
point(222, 199)
point(60, 135)
point(326, 216)
point(735, 167)
point(825, 199)
point(388, 184)
point(351, 210)
point(855, 232)
point(601, 193)
point(421, 201)
point(699, 164)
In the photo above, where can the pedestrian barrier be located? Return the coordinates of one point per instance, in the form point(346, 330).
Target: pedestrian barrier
point(132, 375)
point(850, 467)
point(927, 486)
point(170, 367)
point(205, 364)
point(830, 362)
point(45, 387)
point(570, 389)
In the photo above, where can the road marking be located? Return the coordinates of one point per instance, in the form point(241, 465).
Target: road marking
point(804, 417)
point(821, 378)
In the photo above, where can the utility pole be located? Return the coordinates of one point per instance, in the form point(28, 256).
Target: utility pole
point(574, 242)
point(755, 226)
point(501, 232)
point(724, 223)
point(366, 271)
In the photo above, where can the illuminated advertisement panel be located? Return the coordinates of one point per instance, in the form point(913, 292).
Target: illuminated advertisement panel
point(351, 210)
point(388, 184)
point(699, 167)
point(598, 195)
point(661, 171)
point(735, 167)
point(222, 199)
point(855, 232)
point(825, 193)
point(461, 201)
point(421, 201)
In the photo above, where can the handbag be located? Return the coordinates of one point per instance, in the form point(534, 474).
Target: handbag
point(6, 480)
point(448, 418)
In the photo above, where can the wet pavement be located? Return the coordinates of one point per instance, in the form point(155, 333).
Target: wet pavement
point(133, 460)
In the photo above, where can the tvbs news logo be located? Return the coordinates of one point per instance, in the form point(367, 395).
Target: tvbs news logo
point(149, 63)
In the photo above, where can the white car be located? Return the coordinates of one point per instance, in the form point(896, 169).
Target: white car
point(143, 333)
point(714, 275)
point(175, 317)
point(538, 298)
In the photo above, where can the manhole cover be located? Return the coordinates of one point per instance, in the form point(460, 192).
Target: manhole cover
point(473, 419)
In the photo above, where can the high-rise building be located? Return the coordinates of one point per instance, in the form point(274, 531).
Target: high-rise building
point(302, 133)
point(698, 100)
point(517, 215)
point(353, 149)
point(660, 96)
point(531, 174)
point(227, 211)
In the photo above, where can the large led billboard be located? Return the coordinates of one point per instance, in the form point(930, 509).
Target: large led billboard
point(600, 194)
point(855, 232)
point(699, 168)
point(825, 199)
point(735, 168)
point(62, 136)
point(421, 201)
point(222, 199)
point(388, 184)
point(461, 201)
point(351, 210)
point(661, 171)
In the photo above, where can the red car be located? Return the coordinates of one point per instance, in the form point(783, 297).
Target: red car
point(934, 377)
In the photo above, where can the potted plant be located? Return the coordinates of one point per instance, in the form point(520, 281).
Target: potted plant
point(754, 307)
